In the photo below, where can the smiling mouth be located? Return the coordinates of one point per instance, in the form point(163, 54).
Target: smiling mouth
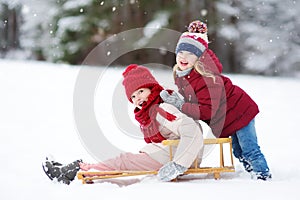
point(141, 103)
point(184, 63)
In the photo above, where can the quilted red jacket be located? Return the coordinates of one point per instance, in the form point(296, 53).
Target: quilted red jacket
point(225, 107)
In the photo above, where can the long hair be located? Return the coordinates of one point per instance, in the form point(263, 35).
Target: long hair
point(200, 68)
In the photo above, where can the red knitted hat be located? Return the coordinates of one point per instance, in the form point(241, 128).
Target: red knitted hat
point(136, 77)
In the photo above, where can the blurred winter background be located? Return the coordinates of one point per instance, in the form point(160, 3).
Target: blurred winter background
point(249, 36)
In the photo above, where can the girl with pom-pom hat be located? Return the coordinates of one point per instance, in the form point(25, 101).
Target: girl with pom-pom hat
point(213, 98)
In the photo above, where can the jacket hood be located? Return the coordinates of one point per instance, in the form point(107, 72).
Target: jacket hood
point(211, 62)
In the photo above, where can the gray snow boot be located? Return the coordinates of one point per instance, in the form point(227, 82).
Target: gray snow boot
point(61, 173)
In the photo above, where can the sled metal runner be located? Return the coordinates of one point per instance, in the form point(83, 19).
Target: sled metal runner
point(89, 177)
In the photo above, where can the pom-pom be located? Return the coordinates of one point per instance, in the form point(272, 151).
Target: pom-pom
point(197, 27)
point(129, 68)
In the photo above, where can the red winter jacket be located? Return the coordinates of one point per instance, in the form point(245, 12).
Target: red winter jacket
point(225, 107)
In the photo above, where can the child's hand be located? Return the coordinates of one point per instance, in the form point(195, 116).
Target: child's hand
point(173, 99)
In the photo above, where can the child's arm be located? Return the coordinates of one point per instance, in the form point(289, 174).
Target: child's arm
point(206, 100)
point(189, 133)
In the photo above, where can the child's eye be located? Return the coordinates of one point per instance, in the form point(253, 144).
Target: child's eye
point(132, 97)
point(141, 91)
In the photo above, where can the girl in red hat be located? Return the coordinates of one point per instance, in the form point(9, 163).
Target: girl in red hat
point(213, 98)
point(158, 121)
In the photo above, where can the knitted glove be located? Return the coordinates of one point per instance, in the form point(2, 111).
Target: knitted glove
point(173, 99)
point(170, 171)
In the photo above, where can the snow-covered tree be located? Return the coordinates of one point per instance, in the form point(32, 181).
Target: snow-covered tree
point(264, 35)
point(38, 28)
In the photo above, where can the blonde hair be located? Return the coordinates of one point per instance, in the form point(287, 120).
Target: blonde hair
point(199, 67)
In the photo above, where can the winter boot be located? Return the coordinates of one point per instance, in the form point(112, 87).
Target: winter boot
point(170, 171)
point(247, 165)
point(61, 173)
point(264, 177)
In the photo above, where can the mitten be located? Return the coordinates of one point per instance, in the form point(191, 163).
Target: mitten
point(170, 171)
point(173, 99)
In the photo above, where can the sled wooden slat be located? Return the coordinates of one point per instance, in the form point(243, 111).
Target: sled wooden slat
point(206, 141)
point(89, 177)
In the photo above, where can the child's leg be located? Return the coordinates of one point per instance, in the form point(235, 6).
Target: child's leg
point(237, 152)
point(126, 161)
point(250, 149)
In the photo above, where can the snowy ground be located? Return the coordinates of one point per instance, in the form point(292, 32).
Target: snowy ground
point(37, 118)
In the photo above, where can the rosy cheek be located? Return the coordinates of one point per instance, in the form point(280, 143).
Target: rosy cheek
point(134, 102)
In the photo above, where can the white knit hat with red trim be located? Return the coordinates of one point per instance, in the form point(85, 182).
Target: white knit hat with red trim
point(195, 40)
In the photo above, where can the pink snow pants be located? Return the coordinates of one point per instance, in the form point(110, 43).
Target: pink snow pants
point(126, 161)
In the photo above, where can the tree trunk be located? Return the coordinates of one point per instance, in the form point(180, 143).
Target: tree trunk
point(10, 30)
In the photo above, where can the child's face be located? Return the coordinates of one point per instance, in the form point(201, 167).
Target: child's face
point(185, 59)
point(140, 96)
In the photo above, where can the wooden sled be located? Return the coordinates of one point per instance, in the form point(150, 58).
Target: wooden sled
point(89, 177)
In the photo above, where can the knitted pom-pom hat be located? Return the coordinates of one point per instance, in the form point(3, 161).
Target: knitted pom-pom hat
point(195, 40)
point(136, 77)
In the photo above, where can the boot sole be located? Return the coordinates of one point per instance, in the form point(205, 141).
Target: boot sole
point(46, 172)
